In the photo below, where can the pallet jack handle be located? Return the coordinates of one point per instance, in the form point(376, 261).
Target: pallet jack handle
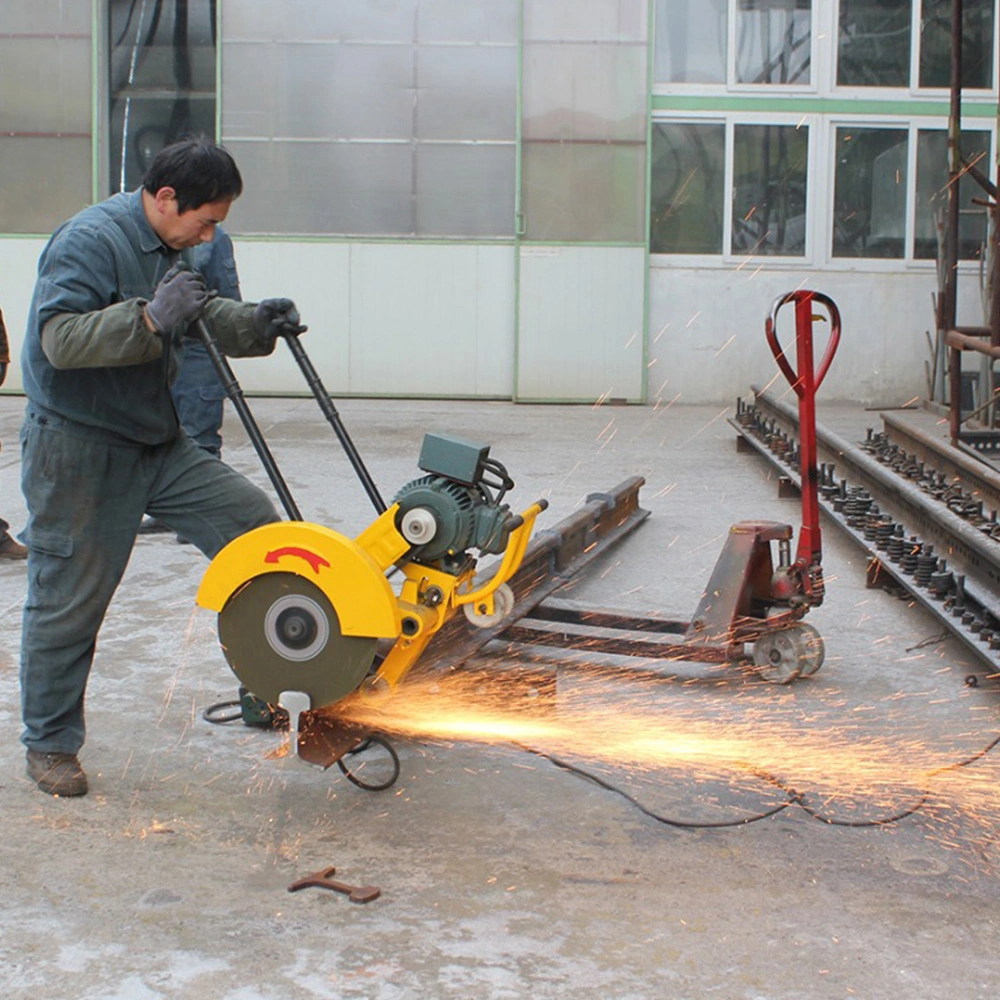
point(236, 397)
point(805, 379)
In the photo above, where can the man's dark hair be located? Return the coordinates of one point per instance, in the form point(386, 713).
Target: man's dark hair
point(199, 171)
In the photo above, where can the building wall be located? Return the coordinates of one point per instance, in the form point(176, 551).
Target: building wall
point(529, 199)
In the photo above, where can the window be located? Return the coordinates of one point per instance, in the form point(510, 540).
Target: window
point(869, 197)
point(932, 193)
point(583, 121)
point(768, 196)
point(978, 33)
point(691, 41)
point(772, 41)
point(874, 43)
point(688, 183)
point(161, 81)
point(770, 164)
point(45, 121)
point(383, 119)
point(873, 47)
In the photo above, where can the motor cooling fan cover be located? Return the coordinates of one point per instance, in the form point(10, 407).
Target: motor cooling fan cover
point(279, 632)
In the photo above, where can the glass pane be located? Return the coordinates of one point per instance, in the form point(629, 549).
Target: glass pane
point(583, 191)
point(46, 180)
point(50, 77)
point(978, 33)
point(585, 20)
point(161, 81)
point(465, 190)
point(45, 113)
point(773, 40)
point(32, 17)
point(322, 187)
point(494, 21)
point(691, 37)
point(584, 92)
point(873, 48)
point(688, 183)
point(932, 193)
point(869, 200)
point(309, 20)
point(769, 189)
point(466, 92)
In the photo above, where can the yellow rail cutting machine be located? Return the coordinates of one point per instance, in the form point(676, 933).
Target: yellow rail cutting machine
point(308, 616)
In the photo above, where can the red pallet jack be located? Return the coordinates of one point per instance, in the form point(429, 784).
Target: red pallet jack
point(749, 601)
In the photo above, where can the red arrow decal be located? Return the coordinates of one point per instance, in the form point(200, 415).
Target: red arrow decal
point(312, 558)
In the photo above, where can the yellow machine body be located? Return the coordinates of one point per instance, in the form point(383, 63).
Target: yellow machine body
point(351, 574)
point(343, 568)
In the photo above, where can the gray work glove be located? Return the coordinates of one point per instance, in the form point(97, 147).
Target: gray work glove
point(275, 318)
point(179, 298)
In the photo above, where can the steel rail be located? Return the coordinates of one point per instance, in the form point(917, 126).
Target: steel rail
point(962, 585)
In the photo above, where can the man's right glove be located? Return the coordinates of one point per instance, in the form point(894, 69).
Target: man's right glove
point(273, 318)
point(179, 298)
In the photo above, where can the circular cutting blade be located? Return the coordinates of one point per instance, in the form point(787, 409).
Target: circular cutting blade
point(280, 632)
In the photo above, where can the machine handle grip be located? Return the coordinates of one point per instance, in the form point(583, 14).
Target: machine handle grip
point(803, 306)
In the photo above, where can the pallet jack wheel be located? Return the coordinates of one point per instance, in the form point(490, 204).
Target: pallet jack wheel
point(812, 648)
point(778, 657)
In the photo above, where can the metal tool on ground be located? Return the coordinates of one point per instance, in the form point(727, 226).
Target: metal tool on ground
point(749, 600)
point(324, 879)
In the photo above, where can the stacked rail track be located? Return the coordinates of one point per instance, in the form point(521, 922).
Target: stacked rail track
point(924, 512)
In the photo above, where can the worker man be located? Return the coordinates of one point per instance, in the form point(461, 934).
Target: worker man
point(10, 547)
point(101, 441)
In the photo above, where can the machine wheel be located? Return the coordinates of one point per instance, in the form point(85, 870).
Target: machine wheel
point(778, 657)
point(812, 649)
point(503, 605)
point(280, 632)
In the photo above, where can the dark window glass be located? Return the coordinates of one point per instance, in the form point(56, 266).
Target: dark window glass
point(932, 193)
point(161, 80)
point(978, 33)
point(873, 44)
point(769, 189)
point(869, 198)
point(687, 188)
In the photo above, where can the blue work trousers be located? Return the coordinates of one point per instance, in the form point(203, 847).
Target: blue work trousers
point(199, 398)
point(86, 492)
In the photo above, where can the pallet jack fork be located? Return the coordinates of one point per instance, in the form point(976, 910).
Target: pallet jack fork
point(748, 600)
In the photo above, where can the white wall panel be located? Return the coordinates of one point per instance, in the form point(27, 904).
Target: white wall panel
point(706, 330)
point(580, 323)
point(316, 276)
point(432, 320)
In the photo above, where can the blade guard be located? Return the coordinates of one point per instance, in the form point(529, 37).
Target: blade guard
point(345, 571)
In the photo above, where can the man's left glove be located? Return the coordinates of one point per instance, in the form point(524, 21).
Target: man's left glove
point(273, 318)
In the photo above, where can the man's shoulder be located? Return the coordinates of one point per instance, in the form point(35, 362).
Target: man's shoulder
point(99, 223)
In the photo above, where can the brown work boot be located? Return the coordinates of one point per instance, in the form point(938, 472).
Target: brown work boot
point(11, 548)
point(57, 773)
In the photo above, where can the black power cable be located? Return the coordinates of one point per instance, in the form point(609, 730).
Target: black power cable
point(794, 797)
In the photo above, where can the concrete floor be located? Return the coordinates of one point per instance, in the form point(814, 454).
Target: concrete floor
point(503, 876)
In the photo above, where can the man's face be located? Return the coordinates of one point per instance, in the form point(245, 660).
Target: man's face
point(180, 230)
